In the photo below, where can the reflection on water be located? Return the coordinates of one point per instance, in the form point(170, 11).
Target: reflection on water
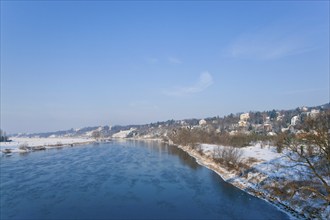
point(163, 148)
point(127, 179)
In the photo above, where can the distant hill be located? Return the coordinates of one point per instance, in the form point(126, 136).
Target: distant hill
point(227, 123)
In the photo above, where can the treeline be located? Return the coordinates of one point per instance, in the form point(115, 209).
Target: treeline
point(191, 137)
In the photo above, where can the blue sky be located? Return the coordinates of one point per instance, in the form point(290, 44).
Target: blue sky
point(79, 63)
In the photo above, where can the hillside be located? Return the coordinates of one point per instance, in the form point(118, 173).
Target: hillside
point(266, 123)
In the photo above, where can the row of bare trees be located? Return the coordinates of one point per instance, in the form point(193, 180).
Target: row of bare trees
point(187, 136)
point(229, 156)
point(310, 148)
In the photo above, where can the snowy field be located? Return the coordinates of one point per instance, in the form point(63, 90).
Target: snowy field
point(46, 142)
point(267, 162)
point(259, 152)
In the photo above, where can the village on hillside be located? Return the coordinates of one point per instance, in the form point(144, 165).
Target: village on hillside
point(266, 123)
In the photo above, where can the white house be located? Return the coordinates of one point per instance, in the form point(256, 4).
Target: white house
point(294, 120)
point(202, 122)
point(244, 117)
point(242, 123)
point(314, 113)
point(243, 120)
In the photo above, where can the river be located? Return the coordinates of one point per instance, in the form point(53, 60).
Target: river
point(121, 179)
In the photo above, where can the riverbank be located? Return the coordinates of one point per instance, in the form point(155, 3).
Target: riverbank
point(22, 145)
point(250, 182)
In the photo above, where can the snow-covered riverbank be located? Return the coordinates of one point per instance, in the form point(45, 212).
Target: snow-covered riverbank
point(267, 169)
point(16, 143)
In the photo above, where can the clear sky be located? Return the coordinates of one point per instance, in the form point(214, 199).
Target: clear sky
point(85, 63)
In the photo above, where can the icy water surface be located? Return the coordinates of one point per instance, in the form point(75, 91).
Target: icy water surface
point(130, 179)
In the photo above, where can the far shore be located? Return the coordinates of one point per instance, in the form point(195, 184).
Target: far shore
point(24, 145)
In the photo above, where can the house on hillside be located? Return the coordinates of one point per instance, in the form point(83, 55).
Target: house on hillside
point(294, 120)
point(279, 117)
point(244, 117)
point(303, 109)
point(243, 120)
point(202, 122)
point(242, 124)
point(314, 113)
point(268, 127)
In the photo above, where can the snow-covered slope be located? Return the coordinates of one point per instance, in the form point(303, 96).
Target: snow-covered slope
point(266, 170)
point(123, 134)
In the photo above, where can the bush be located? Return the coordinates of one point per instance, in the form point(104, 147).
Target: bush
point(229, 156)
point(24, 146)
point(280, 142)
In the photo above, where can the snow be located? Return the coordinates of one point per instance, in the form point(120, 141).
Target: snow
point(269, 167)
point(35, 142)
point(208, 147)
point(123, 134)
point(257, 151)
point(267, 161)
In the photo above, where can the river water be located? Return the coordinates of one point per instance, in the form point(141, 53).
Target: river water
point(129, 179)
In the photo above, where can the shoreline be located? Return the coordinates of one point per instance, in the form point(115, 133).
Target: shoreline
point(230, 178)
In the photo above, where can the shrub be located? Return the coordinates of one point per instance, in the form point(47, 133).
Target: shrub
point(230, 156)
point(24, 146)
point(280, 142)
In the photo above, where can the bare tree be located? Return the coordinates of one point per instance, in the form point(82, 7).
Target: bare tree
point(229, 156)
point(96, 134)
point(311, 149)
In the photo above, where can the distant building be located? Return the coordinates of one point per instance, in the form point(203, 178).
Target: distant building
point(267, 120)
point(314, 113)
point(242, 124)
point(268, 127)
point(243, 120)
point(294, 120)
point(279, 118)
point(304, 109)
point(202, 122)
point(244, 117)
